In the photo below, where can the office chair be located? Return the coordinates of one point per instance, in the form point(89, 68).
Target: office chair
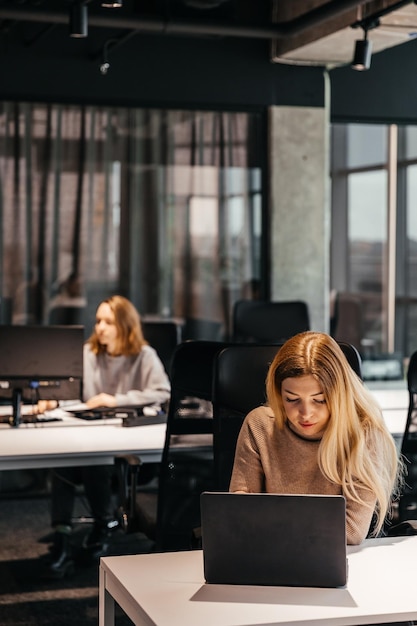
point(187, 460)
point(238, 387)
point(67, 315)
point(262, 322)
point(6, 310)
point(353, 357)
point(164, 336)
point(407, 505)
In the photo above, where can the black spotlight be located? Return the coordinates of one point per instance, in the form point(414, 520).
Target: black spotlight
point(363, 54)
point(78, 19)
point(112, 4)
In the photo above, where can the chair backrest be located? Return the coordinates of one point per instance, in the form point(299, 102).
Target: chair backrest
point(67, 315)
point(412, 373)
point(409, 441)
point(407, 505)
point(262, 321)
point(192, 369)
point(187, 459)
point(6, 310)
point(238, 387)
point(353, 357)
point(164, 336)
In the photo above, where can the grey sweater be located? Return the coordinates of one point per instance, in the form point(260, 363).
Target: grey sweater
point(132, 379)
point(279, 461)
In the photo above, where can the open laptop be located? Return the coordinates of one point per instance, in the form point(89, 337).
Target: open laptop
point(274, 539)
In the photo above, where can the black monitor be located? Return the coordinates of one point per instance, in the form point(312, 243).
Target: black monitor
point(40, 363)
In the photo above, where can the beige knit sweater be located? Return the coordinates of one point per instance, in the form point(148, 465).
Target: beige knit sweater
point(279, 461)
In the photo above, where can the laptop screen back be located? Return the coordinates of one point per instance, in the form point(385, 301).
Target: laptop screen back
point(274, 539)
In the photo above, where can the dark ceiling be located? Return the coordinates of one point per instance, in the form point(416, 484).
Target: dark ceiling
point(300, 31)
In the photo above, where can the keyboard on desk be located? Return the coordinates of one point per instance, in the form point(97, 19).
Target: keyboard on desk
point(102, 413)
point(130, 416)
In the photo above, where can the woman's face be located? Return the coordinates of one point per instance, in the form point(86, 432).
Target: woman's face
point(305, 406)
point(106, 328)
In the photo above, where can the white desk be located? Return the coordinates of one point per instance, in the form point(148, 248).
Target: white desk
point(75, 442)
point(394, 405)
point(169, 590)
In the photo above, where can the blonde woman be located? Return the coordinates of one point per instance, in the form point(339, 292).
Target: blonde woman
point(321, 432)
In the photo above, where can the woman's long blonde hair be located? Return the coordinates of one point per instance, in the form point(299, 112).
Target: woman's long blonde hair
point(356, 427)
point(130, 339)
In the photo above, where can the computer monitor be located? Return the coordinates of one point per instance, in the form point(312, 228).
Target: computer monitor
point(40, 363)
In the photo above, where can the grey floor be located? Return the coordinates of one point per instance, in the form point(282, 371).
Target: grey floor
point(26, 599)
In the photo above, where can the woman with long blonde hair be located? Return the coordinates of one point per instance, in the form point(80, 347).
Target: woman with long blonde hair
point(321, 432)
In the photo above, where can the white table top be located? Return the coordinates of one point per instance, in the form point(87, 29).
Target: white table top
point(169, 590)
point(77, 442)
point(394, 405)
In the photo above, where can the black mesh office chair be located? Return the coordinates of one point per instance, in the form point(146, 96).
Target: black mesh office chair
point(262, 322)
point(407, 506)
point(187, 460)
point(353, 357)
point(67, 315)
point(164, 336)
point(238, 387)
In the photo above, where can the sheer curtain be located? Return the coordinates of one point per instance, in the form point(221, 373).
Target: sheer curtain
point(162, 206)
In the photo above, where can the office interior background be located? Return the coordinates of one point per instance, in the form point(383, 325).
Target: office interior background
point(156, 177)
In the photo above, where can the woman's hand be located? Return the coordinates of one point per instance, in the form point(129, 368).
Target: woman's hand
point(102, 399)
point(46, 405)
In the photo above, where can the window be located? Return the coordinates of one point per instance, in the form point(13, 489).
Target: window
point(374, 233)
point(162, 206)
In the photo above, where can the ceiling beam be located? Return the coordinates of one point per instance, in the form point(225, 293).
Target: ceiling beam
point(192, 27)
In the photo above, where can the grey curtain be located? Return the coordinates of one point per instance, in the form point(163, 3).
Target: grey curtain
point(162, 206)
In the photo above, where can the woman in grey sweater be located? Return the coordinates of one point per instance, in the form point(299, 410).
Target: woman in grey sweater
point(120, 369)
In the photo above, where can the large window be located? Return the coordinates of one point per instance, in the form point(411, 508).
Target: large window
point(374, 233)
point(162, 206)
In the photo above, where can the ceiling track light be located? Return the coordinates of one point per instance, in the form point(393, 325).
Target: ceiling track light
point(78, 19)
point(363, 53)
point(112, 4)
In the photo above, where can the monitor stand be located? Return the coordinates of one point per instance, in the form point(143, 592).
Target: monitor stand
point(16, 418)
point(17, 407)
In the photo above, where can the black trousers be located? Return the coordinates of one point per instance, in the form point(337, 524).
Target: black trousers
point(97, 481)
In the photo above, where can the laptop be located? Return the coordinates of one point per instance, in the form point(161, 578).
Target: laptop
point(274, 539)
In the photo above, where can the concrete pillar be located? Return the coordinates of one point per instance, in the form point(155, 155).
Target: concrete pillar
point(300, 209)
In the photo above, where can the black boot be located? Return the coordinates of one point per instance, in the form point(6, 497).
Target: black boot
point(60, 561)
point(97, 542)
